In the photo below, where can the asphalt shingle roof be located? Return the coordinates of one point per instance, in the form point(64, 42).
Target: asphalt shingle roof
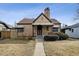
point(28, 20)
point(74, 26)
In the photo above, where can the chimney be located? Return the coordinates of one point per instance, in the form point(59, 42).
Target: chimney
point(47, 12)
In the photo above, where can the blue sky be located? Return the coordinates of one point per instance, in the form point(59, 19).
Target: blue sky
point(63, 12)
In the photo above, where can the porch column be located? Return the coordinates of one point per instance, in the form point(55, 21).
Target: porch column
point(35, 30)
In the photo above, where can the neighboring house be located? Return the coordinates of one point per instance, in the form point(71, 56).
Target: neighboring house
point(4, 30)
point(39, 26)
point(72, 31)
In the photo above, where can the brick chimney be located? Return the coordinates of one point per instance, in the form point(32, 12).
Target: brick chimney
point(47, 12)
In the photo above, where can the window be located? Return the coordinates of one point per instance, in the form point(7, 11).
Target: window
point(55, 29)
point(20, 30)
point(72, 30)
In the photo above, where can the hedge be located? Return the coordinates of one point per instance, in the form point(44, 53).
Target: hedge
point(56, 36)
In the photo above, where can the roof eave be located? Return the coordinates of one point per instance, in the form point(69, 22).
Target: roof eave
point(44, 16)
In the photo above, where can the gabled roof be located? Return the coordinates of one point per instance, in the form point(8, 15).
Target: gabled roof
point(30, 21)
point(7, 26)
point(74, 26)
point(26, 20)
point(44, 16)
point(55, 21)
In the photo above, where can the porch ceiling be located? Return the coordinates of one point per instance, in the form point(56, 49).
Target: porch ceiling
point(42, 24)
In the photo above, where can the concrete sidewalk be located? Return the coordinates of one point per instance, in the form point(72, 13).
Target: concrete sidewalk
point(39, 48)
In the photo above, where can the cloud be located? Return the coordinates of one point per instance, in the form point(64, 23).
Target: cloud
point(62, 13)
point(11, 16)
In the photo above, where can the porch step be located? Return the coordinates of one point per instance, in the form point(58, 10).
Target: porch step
point(39, 38)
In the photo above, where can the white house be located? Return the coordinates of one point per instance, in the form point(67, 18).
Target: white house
point(4, 30)
point(72, 31)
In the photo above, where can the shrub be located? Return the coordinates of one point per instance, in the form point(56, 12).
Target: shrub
point(51, 33)
point(30, 38)
point(62, 36)
point(51, 37)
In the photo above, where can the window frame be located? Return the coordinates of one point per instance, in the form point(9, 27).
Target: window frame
point(72, 30)
point(20, 29)
point(55, 29)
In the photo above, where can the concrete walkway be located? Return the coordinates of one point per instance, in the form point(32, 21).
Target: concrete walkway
point(39, 48)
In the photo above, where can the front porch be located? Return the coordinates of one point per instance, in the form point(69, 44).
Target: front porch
point(41, 29)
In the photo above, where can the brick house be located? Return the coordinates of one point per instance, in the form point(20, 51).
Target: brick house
point(39, 26)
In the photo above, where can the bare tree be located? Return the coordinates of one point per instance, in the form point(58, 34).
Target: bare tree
point(77, 12)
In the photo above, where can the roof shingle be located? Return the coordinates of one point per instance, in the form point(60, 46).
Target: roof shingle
point(26, 20)
point(54, 21)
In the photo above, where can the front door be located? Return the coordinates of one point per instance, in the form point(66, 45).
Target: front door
point(39, 30)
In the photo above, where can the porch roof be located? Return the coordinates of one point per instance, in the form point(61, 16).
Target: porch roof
point(42, 24)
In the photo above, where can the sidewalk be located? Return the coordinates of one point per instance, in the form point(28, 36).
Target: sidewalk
point(39, 48)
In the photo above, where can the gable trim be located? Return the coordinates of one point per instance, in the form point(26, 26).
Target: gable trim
point(44, 16)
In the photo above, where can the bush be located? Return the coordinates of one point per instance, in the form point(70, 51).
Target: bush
point(51, 37)
point(30, 38)
point(62, 36)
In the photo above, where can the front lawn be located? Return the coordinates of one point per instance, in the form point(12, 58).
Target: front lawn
point(62, 48)
point(14, 41)
point(9, 47)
